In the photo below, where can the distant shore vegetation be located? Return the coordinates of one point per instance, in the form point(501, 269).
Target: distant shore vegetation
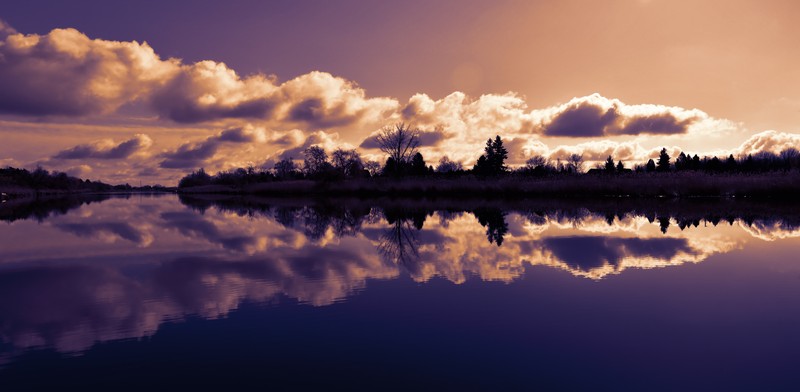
point(405, 172)
point(15, 182)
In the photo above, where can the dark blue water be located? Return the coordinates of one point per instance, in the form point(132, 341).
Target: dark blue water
point(155, 292)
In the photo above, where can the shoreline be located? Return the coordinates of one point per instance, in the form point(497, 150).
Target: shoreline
point(785, 186)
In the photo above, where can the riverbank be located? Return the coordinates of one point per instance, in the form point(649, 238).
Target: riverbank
point(776, 185)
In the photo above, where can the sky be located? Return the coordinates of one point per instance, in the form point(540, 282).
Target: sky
point(146, 91)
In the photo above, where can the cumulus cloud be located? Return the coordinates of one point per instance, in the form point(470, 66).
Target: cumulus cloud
point(588, 252)
point(107, 149)
point(769, 141)
point(209, 90)
point(299, 142)
point(597, 116)
point(194, 154)
point(463, 124)
point(322, 100)
point(66, 73)
point(6, 30)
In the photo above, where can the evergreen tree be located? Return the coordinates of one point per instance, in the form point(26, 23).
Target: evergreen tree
point(730, 164)
point(499, 156)
point(492, 162)
point(609, 165)
point(695, 162)
point(663, 161)
point(682, 162)
point(620, 167)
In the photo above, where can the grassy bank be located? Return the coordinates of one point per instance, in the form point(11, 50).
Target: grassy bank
point(782, 185)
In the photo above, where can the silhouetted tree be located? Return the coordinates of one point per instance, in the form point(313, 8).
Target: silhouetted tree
point(663, 223)
point(730, 164)
point(576, 163)
point(447, 166)
point(610, 165)
point(400, 142)
point(347, 162)
point(682, 162)
point(695, 162)
point(494, 157)
point(198, 178)
point(620, 167)
point(374, 168)
point(651, 166)
point(791, 158)
point(285, 168)
point(663, 161)
point(713, 165)
point(499, 156)
point(315, 160)
point(418, 166)
point(495, 222)
point(536, 161)
point(400, 243)
point(390, 167)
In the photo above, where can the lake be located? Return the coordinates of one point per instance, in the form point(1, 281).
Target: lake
point(161, 291)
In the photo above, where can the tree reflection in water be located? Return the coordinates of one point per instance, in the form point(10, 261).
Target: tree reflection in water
point(494, 220)
point(171, 261)
point(399, 243)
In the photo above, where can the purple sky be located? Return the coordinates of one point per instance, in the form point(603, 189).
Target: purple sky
point(622, 77)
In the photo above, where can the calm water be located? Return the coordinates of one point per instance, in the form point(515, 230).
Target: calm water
point(155, 292)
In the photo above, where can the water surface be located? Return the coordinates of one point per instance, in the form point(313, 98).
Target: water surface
point(290, 294)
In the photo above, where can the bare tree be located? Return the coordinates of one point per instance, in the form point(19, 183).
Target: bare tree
point(347, 161)
point(315, 159)
point(447, 166)
point(373, 167)
point(285, 168)
point(536, 161)
point(576, 162)
point(400, 141)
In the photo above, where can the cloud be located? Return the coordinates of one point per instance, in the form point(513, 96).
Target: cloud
point(6, 30)
point(463, 124)
point(580, 121)
point(108, 231)
point(321, 100)
point(591, 252)
point(300, 142)
point(193, 225)
point(192, 155)
point(600, 150)
point(208, 90)
point(66, 73)
point(107, 149)
point(80, 171)
point(770, 141)
point(597, 116)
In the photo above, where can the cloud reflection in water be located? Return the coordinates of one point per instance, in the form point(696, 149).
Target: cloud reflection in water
point(120, 268)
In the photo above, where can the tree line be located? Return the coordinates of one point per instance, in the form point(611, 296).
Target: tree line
point(41, 179)
point(400, 142)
